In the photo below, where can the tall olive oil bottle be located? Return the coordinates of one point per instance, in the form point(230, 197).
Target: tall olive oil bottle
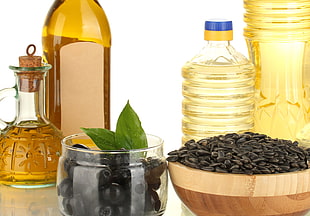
point(76, 40)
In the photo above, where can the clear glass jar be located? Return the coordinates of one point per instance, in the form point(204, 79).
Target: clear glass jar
point(95, 182)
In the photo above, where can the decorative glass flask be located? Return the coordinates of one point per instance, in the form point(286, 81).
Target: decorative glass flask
point(278, 39)
point(30, 146)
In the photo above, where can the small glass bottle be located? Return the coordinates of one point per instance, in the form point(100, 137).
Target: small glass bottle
point(30, 146)
point(218, 87)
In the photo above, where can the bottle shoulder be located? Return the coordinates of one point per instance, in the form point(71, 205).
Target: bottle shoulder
point(83, 20)
point(219, 55)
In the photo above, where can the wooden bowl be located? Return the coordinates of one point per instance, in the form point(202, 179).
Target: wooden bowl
point(218, 194)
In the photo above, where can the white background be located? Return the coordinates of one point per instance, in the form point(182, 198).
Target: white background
point(151, 40)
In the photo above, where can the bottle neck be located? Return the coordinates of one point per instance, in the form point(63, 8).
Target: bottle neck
point(30, 109)
point(218, 44)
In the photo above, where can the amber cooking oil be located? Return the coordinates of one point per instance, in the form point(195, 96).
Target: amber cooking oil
point(29, 156)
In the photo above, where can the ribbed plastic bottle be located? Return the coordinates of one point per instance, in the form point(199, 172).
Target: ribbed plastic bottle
point(218, 87)
point(278, 38)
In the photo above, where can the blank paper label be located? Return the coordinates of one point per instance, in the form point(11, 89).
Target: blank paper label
point(81, 86)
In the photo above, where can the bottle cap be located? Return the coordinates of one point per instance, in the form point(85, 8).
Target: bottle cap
point(30, 60)
point(218, 30)
point(30, 80)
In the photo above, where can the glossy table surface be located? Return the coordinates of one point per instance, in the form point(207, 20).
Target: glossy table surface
point(43, 202)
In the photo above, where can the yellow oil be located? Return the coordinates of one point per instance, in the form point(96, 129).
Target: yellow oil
point(217, 99)
point(71, 21)
point(282, 89)
point(277, 33)
point(29, 156)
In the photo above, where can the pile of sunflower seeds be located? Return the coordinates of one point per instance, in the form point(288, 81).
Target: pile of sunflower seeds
point(246, 153)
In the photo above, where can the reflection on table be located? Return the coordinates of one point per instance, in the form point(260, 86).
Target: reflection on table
point(43, 202)
point(28, 202)
point(186, 211)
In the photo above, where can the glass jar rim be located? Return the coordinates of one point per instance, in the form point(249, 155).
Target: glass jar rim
point(153, 147)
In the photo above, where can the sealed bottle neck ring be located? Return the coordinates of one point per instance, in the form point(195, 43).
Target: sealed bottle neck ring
point(218, 35)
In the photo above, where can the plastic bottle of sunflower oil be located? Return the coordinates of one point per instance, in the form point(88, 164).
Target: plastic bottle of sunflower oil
point(277, 33)
point(218, 87)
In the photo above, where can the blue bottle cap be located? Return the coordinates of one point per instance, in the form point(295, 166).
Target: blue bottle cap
point(218, 25)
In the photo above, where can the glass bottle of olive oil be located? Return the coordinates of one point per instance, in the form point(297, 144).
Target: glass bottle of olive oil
point(30, 146)
point(76, 41)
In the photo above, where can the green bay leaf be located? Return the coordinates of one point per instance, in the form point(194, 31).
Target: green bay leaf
point(129, 133)
point(103, 138)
